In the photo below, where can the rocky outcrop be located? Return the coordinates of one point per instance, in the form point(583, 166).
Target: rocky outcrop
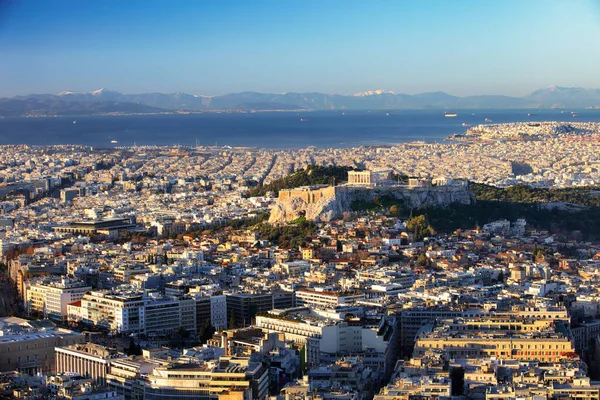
point(332, 204)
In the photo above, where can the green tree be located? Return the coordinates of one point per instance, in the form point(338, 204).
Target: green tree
point(395, 210)
point(302, 356)
point(419, 227)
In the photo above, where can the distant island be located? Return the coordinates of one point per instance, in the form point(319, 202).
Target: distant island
point(102, 102)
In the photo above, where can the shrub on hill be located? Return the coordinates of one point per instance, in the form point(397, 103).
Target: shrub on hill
point(312, 175)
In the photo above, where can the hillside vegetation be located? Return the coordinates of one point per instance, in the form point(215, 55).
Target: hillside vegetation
point(493, 203)
point(522, 201)
point(312, 175)
point(586, 196)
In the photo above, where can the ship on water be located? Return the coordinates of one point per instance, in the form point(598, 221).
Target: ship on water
point(465, 124)
point(487, 120)
point(450, 115)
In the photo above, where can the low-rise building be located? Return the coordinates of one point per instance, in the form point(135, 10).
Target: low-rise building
point(29, 346)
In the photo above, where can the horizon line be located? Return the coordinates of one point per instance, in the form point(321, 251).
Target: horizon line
point(365, 93)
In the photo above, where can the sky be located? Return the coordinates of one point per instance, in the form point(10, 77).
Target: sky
point(465, 47)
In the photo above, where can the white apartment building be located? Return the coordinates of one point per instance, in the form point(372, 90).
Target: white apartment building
point(51, 297)
point(135, 312)
point(119, 312)
point(323, 298)
point(326, 339)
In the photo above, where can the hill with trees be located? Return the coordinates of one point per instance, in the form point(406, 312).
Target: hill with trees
point(541, 207)
point(588, 196)
point(312, 175)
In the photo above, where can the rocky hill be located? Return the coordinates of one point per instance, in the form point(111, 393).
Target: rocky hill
point(325, 204)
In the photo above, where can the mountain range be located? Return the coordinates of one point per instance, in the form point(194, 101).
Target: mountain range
point(108, 101)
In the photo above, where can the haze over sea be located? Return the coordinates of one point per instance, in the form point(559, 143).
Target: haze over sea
point(272, 130)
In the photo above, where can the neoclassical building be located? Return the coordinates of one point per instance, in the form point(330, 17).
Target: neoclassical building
point(367, 178)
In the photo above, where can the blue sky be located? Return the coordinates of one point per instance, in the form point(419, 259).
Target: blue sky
point(462, 47)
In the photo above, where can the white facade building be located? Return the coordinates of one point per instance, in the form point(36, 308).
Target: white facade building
point(52, 297)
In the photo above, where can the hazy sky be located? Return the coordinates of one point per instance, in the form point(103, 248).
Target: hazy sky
point(215, 47)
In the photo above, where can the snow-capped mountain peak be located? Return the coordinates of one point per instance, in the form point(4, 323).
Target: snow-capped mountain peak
point(66, 93)
point(373, 93)
point(105, 92)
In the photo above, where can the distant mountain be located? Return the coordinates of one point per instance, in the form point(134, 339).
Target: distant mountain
point(105, 101)
point(563, 97)
point(41, 106)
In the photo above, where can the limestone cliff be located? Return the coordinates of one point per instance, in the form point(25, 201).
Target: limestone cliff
point(325, 204)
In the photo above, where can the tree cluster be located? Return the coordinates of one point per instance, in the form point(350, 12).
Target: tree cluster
point(287, 236)
point(460, 216)
point(585, 196)
point(419, 226)
point(312, 175)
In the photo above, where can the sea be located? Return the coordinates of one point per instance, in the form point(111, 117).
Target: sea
point(271, 130)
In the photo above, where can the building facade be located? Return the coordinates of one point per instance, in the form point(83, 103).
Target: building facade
point(86, 359)
point(29, 346)
point(50, 297)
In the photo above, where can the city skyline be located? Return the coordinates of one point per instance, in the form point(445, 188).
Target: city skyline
point(469, 48)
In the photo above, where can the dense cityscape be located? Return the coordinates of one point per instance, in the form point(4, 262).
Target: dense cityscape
point(153, 272)
point(299, 200)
